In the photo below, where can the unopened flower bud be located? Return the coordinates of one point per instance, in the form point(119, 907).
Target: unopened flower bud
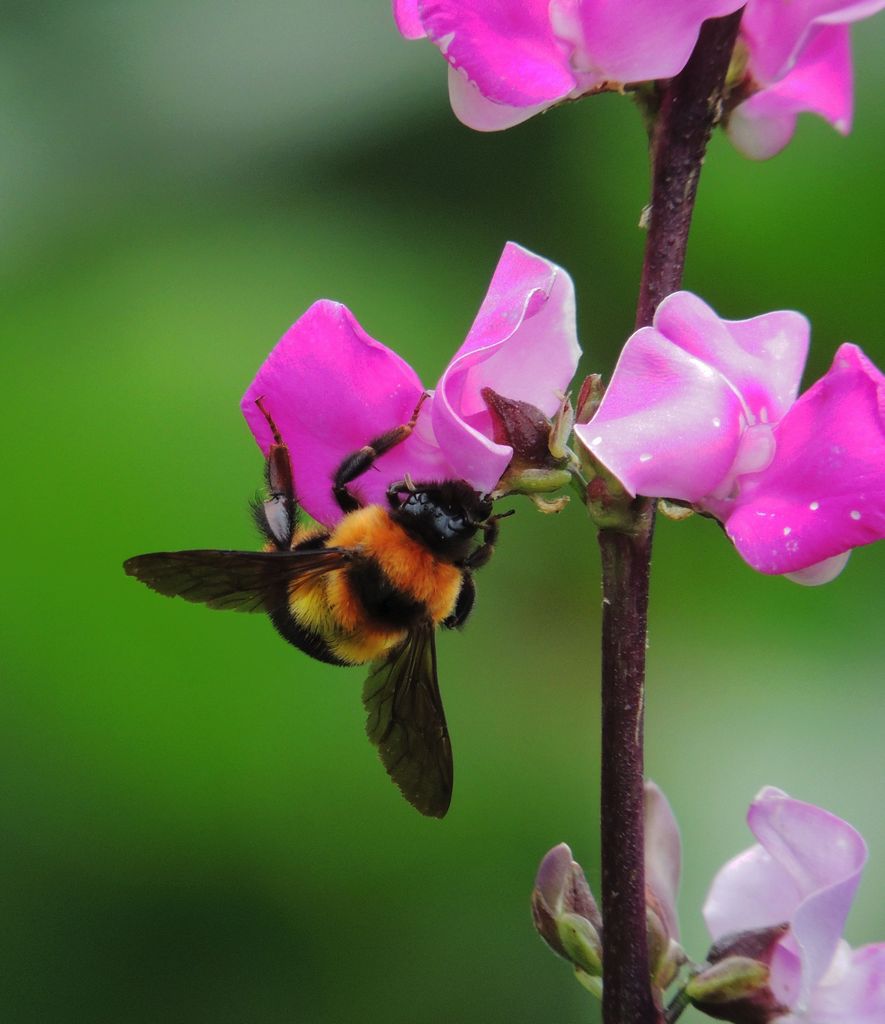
point(581, 943)
point(734, 984)
point(565, 913)
point(665, 955)
point(589, 398)
point(561, 429)
point(539, 463)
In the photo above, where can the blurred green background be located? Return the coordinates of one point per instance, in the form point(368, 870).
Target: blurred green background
point(195, 828)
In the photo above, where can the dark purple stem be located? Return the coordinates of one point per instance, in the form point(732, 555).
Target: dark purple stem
point(690, 106)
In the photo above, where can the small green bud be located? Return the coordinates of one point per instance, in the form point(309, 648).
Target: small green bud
point(580, 942)
point(565, 913)
point(533, 481)
point(733, 985)
point(589, 398)
point(591, 982)
point(561, 429)
point(736, 977)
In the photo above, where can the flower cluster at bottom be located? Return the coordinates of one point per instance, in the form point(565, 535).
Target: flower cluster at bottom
point(775, 912)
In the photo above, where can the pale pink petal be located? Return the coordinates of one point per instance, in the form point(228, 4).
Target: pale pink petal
point(481, 114)
point(821, 572)
point(523, 344)
point(854, 993)
point(762, 357)
point(663, 855)
point(824, 493)
point(804, 870)
point(553, 876)
point(819, 83)
point(330, 389)
point(695, 383)
point(777, 32)
point(669, 425)
point(507, 49)
point(643, 39)
point(407, 15)
point(751, 891)
point(825, 857)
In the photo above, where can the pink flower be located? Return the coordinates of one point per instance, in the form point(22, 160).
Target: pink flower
point(331, 388)
point(703, 410)
point(511, 59)
point(799, 60)
point(804, 871)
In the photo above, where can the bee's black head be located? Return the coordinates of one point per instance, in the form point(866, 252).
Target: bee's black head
point(445, 516)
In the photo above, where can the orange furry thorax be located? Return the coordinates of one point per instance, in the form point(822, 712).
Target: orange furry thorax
point(406, 562)
point(329, 606)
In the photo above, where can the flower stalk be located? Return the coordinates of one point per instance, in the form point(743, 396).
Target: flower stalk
point(690, 107)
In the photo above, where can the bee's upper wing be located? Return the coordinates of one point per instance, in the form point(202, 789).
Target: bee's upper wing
point(242, 581)
point(407, 724)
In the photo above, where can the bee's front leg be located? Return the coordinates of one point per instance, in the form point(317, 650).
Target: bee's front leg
point(482, 555)
point(358, 462)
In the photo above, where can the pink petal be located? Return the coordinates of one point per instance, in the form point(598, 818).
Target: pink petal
point(751, 891)
point(508, 50)
point(696, 383)
point(523, 344)
point(643, 39)
point(663, 854)
point(804, 870)
point(824, 493)
point(777, 32)
point(407, 15)
point(819, 83)
point(825, 857)
point(330, 388)
point(481, 114)
point(762, 357)
point(662, 404)
point(553, 876)
point(856, 995)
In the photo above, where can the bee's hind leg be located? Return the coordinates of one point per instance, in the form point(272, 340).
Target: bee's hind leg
point(359, 461)
point(277, 515)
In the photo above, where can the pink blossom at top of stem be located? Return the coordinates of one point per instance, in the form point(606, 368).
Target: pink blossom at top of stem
point(702, 410)
point(511, 59)
point(776, 32)
point(803, 870)
point(330, 388)
point(798, 60)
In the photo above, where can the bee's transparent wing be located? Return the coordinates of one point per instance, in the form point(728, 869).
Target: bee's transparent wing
point(407, 724)
point(241, 581)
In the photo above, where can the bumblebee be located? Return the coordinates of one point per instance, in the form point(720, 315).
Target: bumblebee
point(372, 590)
